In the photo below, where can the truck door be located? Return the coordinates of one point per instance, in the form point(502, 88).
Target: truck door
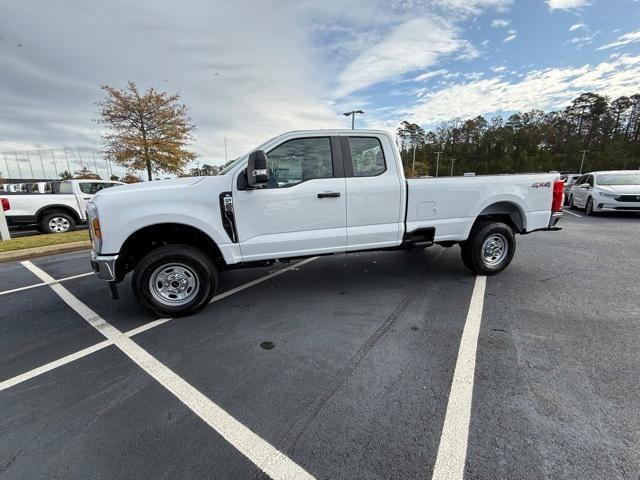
point(374, 193)
point(302, 210)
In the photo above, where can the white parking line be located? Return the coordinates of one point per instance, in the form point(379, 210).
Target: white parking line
point(266, 457)
point(571, 213)
point(452, 451)
point(52, 365)
point(23, 377)
point(42, 284)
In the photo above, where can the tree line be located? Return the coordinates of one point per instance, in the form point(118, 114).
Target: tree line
point(534, 141)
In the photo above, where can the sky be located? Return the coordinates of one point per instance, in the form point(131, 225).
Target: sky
point(250, 70)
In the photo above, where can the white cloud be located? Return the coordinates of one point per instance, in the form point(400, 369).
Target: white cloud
point(551, 88)
point(576, 26)
point(473, 7)
point(428, 75)
point(510, 38)
point(249, 78)
point(413, 45)
point(567, 4)
point(627, 38)
point(579, 42)
point(500, 23)
point(498, 69)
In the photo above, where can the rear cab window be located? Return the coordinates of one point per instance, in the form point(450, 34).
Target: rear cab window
point(367, 156)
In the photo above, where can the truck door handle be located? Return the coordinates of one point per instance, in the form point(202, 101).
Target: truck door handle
point(329, 195)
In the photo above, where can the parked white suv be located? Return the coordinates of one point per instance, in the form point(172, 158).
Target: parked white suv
point(613, 191)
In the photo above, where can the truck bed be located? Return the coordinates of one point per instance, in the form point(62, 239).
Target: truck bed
point(453, 203)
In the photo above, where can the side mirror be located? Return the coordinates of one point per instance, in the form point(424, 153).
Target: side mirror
point(257, 169)
point(585, 185)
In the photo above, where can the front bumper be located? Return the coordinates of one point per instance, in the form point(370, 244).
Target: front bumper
point(614, 206)
point(104, 266)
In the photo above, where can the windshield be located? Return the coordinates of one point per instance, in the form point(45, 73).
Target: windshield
point(242, 158)
point(619, 179)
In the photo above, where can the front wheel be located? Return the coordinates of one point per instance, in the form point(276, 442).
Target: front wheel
point(489, 248)
point(588, 209)
point(175, 280)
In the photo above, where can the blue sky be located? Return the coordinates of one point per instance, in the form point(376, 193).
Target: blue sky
point(251, 70)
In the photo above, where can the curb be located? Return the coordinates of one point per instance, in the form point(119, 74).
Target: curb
point(27, 253)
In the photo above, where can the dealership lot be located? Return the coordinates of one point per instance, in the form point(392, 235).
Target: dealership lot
point(359, 381)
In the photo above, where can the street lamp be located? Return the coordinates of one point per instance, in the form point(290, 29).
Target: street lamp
point(438, 161)
point(584, 154)
point(352, 114)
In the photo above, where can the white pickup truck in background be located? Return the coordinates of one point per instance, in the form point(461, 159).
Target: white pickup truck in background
point(53, 212)
point(303, 194)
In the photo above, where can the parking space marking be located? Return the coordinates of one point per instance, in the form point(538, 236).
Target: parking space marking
point(571, 213)
point(265, 456)
point(452, 451)
point(23, 377)
point(53, 365)
point(42, 284)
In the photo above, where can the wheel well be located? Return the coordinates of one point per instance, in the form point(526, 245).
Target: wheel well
point(149, 238)
point(505, 212)
point(56, 209)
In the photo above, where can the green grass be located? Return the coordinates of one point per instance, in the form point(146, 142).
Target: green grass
point(43, 240)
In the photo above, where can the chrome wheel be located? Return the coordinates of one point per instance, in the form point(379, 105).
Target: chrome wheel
point(174, 284)
point(59, 224)
point(494, 249)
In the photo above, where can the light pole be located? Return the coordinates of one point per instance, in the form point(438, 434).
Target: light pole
point(6, 164)
point(584, 153)
point(452, 160)
point(437, 161)
point(352, 114)
point(53, 161)
point(413, 165)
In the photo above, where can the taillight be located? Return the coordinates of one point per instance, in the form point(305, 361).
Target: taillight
point(5, 204)
point(558, 194)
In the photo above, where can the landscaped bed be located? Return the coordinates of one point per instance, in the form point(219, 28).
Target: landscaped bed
point(43, 240)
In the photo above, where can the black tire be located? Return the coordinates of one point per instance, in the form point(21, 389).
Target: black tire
point(57, 222)
point(477, 257)
point(588, 207)
point(184, 265)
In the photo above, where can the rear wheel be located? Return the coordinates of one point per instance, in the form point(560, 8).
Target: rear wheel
point(489, 249)
point(175, 280)
point(57, 222)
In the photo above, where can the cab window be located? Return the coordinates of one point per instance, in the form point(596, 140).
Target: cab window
point(91, 188)
point(299, 160)
point(366, 156)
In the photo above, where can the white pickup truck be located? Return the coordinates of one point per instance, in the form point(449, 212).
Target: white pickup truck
point(54, 212)
point(304, 194)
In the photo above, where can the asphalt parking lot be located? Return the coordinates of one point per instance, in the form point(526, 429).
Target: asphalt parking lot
point(371, 373)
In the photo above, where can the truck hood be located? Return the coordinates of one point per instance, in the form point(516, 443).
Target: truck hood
point(222, 182)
